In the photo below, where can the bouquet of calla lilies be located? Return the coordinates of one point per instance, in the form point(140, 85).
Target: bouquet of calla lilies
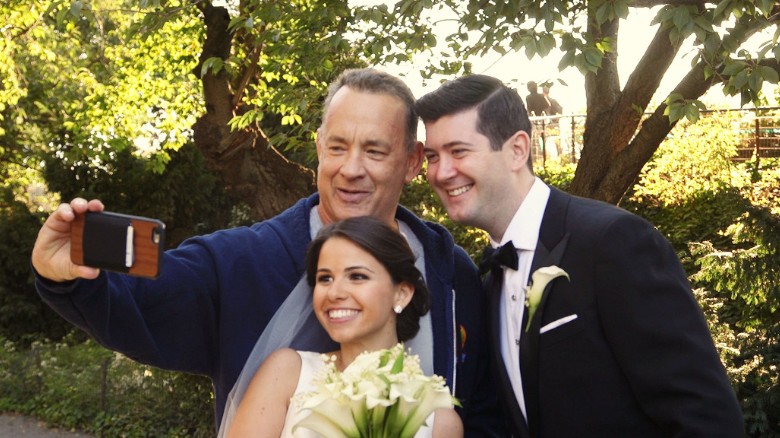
point(380, 394)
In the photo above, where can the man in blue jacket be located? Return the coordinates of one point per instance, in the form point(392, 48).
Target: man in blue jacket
point(218, 294)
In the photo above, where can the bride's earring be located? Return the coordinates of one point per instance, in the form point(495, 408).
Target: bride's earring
point(398, 309)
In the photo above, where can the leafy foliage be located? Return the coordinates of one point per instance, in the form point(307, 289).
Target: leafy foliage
point(751, 359)
point(285, 55)
point(538, 28)
point(22, 313)
point(186, 196)
point(742, 278)
point(746, 272)
point(584, 34)
point(86, 84)
point(683, 166)
point(77, 384)
point(688, 188)
point(559, 176)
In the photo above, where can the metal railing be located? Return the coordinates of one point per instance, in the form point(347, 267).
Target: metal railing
point(762, 142)
point(557, 138)
point(560, 137)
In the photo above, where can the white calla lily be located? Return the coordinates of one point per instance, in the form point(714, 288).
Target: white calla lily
point(381, 394)
point(428, 401)
point(539, 281)
point(329, 418)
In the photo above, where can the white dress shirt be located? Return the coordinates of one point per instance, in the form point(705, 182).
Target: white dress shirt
point(523, 231)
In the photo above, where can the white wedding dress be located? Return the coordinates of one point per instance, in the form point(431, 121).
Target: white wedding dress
point(311, 366)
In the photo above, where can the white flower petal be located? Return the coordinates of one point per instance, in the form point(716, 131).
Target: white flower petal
point(383, 393)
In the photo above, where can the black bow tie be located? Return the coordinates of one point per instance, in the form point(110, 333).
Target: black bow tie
point(494, 258)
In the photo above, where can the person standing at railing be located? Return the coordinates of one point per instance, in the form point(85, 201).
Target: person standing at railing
point(537, 104)
point(554, 108)
point(553, 139)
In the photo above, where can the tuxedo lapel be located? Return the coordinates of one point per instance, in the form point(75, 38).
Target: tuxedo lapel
point(550, 248)
point(492, 285)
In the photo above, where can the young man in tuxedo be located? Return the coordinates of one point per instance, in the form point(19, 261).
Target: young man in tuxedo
point(620, 347)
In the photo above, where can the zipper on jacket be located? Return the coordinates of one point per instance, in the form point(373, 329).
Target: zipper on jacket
point(454, 346)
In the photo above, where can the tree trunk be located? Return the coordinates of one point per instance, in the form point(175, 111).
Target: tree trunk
point(610, 162)
point(252, 170)
point(617, 143)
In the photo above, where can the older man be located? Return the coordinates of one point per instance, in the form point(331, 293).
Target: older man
point(218, 294)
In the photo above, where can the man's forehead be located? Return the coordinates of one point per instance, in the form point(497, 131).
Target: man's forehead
point(364, 105)
point(347, 92)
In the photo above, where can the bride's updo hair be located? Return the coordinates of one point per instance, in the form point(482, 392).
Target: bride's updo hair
point(391, 249)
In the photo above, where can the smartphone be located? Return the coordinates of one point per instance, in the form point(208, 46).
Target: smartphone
point(118, 242)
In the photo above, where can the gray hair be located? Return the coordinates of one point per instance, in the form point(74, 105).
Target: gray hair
point(377, 82)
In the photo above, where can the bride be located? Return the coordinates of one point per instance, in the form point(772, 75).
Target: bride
point(368, 296)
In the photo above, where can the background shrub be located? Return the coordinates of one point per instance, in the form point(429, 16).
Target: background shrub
point(78, 384)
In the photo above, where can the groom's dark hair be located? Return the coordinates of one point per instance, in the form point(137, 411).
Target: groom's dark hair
point(500, 110)
point(392, 250)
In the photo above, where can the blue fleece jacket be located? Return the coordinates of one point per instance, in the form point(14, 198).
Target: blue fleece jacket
point(218, 292)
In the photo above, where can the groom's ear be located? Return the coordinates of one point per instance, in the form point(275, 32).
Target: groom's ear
point(520, 144)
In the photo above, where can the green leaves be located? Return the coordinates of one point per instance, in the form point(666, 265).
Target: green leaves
point(77, 384)
point(532, 43)
point(213, 64)
point(609, 10)
point(284, 55)
point(746, 78)
point(678, 108)
point(593, 58)
point(684, 21)
point(586, 57)
point(69, 14)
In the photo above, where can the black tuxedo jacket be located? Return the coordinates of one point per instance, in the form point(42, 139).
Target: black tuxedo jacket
point(638, 360)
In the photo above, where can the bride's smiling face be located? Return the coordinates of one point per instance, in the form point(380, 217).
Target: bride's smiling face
point(354, 296)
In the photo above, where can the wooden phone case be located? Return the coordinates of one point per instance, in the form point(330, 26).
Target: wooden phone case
point(147, 248)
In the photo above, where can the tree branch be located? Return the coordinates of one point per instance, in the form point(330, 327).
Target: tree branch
point(602, 89)
point(656, 127)
point(248, 75)
point(773, 63)
point(216, 89)
point(651, 133)
point(654, 3)
point(651, 69)
point(642, 85)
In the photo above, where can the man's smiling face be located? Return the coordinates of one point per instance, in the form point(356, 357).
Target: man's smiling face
point(469, 177)
point(363, 159)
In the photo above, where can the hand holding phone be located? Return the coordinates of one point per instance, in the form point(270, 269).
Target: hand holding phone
point(118, 242)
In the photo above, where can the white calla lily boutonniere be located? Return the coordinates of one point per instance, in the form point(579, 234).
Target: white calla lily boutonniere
point(534, 291)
